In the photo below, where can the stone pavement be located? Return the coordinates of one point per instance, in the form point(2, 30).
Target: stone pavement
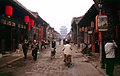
point(44, 66)
point(95, 61)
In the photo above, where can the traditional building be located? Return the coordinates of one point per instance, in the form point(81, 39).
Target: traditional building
point(16, 24)
point(63, 31)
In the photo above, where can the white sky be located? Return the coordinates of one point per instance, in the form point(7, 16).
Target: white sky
point(58, 12)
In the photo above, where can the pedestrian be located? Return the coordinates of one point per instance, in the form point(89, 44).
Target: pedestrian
point(59, 41)
point(43, 44)
point(67, 51)
point(25, 48)
point(110, 56)
point(53, 46)
point(35, 49)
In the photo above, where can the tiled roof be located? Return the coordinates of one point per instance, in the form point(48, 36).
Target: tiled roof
point(19, 4)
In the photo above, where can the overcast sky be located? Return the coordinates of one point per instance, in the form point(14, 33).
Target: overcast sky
point(58, 12)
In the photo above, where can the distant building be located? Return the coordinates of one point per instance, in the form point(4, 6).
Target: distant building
point(63, 31)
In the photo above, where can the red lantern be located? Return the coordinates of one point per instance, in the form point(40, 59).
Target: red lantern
point(9, 11)
point(26, 19)
point(32, 22)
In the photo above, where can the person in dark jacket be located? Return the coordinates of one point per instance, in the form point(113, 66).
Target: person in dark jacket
point(43, 44)
point(35, 49)
point(25, 48)
point(53, 46)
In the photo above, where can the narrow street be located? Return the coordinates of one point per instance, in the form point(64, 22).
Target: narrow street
point(44, 66)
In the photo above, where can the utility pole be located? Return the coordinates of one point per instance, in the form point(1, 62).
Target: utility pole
point(100, 33)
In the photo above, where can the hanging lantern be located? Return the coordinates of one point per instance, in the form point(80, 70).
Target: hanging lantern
point(9, 11)
point(32, 22)
point(26, 19)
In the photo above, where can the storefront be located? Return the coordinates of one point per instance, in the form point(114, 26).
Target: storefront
point(13, 29)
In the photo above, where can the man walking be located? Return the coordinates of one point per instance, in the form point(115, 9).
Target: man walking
point(53, 47)
point(35, 48)
point(25, 48)
point(110, 56)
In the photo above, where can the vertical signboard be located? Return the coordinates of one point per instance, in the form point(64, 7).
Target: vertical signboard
point(101, 23)
point(41, 31)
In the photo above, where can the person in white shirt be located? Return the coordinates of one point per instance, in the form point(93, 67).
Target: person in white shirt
point(67, 51)
point(110, 56)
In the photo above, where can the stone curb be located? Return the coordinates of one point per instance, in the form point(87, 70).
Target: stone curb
point(98, 68)
point(1, 66)
point(95, 65)
point(9, 62)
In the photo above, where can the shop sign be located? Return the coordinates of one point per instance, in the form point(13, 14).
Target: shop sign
point(3, 21)
point(13, 23)
point(86, 29)
point(89, 32)
point(24, 27)
point(41, 31)
point(101, 23)
point(18, 25)
point(9, 23)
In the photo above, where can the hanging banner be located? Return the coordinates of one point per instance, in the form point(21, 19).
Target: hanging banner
point(99, 36)
point(86, 29)
point(92, 24)
point(96, 19)
point(41, 31)
point(101, 23)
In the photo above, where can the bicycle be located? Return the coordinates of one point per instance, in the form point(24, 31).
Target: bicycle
point(53, 52)
point(68, 61)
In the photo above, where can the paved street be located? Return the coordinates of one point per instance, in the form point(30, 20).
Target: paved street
point(46, 67)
